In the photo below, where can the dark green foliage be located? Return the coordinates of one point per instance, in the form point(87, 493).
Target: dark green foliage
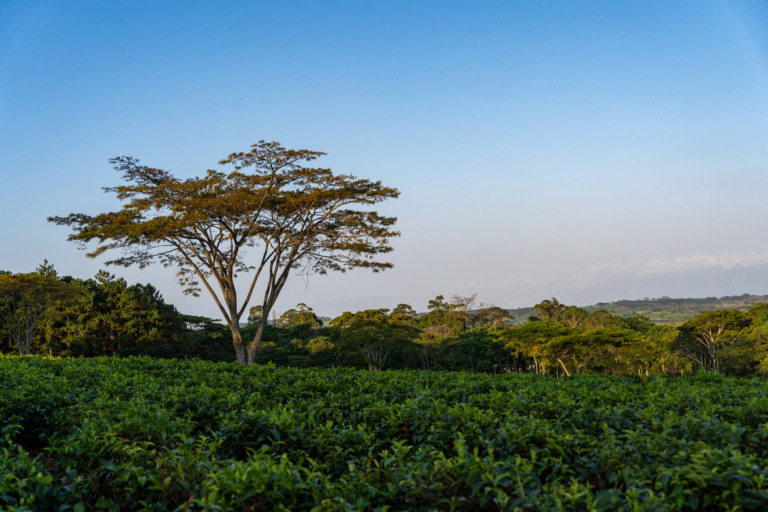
point(106, 316)
point(442, 319)
point(109, 317)
point(479, 349)
point(549, 309)
point(26, 301)
point(709, 337)
point(375, 336)
point(143, 434)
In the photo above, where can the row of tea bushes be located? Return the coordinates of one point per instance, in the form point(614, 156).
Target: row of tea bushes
point(143, 434)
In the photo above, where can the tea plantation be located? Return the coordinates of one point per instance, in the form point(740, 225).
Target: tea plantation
point(143, 434)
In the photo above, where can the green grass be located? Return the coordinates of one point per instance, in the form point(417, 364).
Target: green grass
point(143, 434)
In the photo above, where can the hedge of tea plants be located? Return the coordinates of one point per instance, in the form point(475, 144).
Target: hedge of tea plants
point(142, 434)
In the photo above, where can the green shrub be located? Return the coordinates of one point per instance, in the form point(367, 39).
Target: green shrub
point(143, 434)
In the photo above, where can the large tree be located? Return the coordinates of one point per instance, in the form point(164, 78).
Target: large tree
point(374, 333)
point(703, 337)
point(267, 217)
point(549, 309)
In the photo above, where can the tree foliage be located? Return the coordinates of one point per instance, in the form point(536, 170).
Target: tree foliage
point(25, 300)
point(374, 334)
point(704, 337)
point(549, 309)
point(300, 315)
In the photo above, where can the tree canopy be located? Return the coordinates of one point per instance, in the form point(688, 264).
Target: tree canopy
point(374, 333)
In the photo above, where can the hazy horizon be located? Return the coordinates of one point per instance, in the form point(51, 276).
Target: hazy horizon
point(586, 151)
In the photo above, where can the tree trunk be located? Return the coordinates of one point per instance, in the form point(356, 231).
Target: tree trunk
point(237, 341)
point(250, 353)
point(30, 339)
point(254, 345)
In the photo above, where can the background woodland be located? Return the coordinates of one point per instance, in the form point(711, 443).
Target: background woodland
point(43, 313)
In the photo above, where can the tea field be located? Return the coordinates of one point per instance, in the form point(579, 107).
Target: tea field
point(142, 434)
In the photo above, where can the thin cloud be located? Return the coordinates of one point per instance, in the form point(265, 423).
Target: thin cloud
point(703, 261)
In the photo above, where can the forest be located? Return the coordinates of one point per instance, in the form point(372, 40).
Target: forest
point(44, 313)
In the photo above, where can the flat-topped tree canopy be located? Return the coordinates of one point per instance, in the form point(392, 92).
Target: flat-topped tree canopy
point(269, 215)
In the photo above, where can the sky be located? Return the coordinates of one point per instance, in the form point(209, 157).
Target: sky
point(590, 151)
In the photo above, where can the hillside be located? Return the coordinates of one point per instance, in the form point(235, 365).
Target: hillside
point(663, 310)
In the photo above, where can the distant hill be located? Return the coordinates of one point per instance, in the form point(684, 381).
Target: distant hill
point(520, 314)
point(664, 310)
point(676, 311)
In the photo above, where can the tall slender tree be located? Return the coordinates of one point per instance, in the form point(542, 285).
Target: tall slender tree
point(267, 217)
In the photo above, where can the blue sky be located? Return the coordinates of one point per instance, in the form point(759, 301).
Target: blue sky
point(587, 150)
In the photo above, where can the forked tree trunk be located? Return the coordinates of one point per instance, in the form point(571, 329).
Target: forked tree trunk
point(237, 341)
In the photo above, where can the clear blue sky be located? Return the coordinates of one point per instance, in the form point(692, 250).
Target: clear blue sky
point(584, 150)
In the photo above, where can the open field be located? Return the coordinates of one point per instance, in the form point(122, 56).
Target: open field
point(143, 434)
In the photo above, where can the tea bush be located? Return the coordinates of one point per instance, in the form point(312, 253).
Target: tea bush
point(142, 434)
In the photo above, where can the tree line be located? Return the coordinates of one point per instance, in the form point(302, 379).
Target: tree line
point(43, 312)
point(557, 339)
